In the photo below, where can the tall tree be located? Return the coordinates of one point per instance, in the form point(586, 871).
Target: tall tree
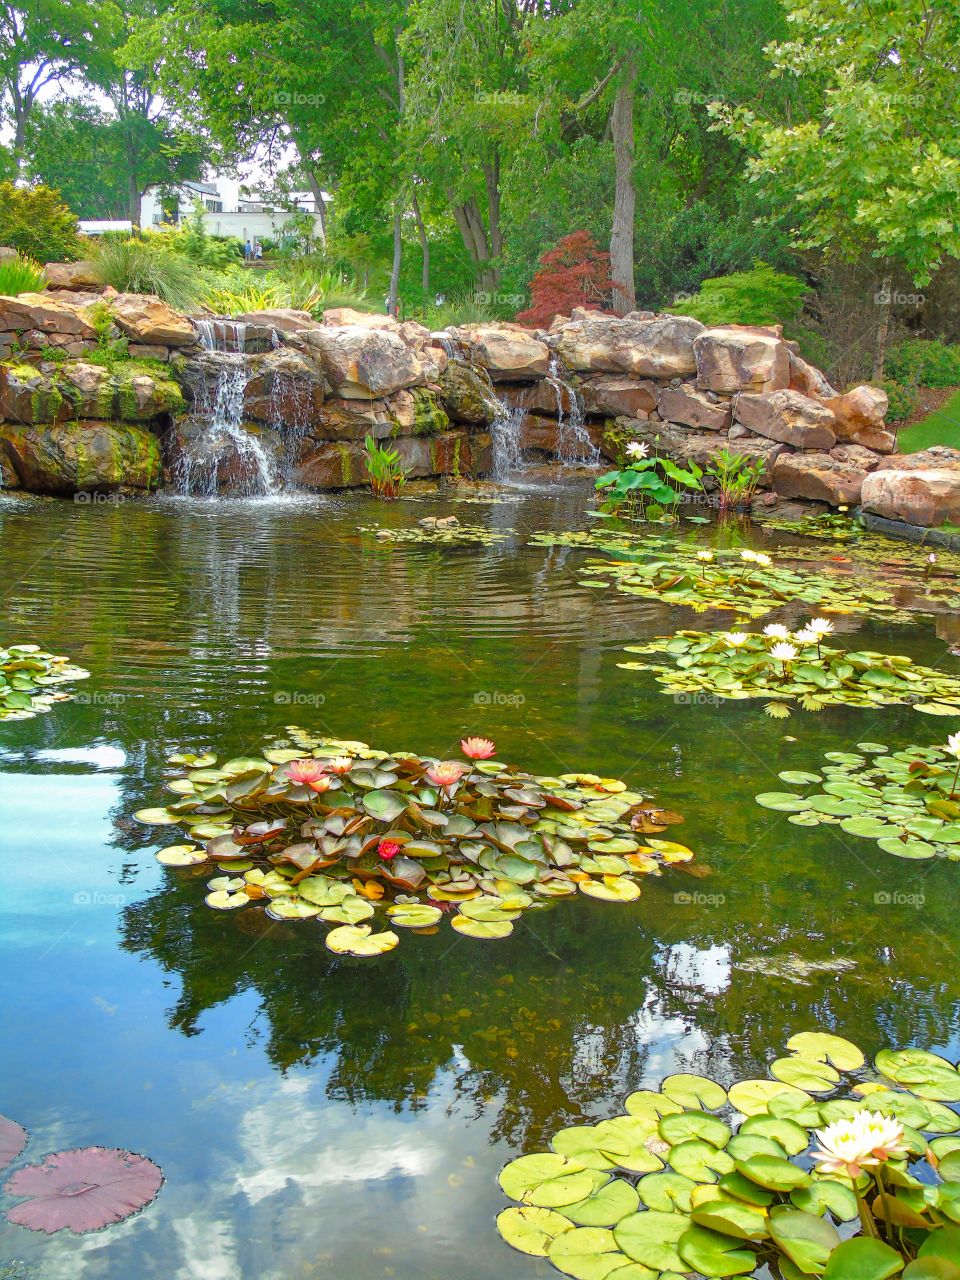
point(75, 147)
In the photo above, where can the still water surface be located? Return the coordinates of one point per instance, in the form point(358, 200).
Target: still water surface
point(316, 1117)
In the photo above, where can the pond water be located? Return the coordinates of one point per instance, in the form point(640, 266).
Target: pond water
point(323, 1117)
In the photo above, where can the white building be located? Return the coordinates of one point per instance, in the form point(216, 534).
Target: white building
point(228, 212)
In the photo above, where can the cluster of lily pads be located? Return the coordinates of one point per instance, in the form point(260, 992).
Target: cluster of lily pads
point(439, 532)
point(29, 680)
point(829, 1168)
point(337, 830)
point(908, 801)
point(795, 666)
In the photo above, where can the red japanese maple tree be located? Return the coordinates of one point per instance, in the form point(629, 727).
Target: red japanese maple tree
point(574, 274)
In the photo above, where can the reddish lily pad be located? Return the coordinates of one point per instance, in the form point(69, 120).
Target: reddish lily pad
point(85, 1189)
point(13, 1138)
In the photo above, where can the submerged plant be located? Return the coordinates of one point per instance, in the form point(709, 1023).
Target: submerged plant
point(385, 469)
point(907, 801)
point(795, 667)
point(337, 830)
point(825, 1169)
point(29, 678)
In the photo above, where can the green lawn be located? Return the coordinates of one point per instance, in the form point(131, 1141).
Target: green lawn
point(940, 427)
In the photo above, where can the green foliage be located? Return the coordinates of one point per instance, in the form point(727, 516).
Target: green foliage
point(20, 275)
point(385, 469)
point(28, 680)
point(76, 148)
point(737, 477)
point(903, 400)
point(475, 307)
point(140, 265)
point(298, 284)
point(36, 222)
point(649, 486)
point(758, 296)
point(199, 246)
point(924, 363)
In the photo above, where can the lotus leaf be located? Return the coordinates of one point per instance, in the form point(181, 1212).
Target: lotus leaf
point(776, 1173)
point(694, 1124)
point(482, 928)
point(752, 1097)
point(531, 1229)
point(651, 1237)
point(733, 1218)
point(807, 1241)
point(694, 1091)
point(606, 1206)
point(825, 1196)
point(699, 1161)
point(667, 1192)
point(291, 907)
point(414, 915)
point(583, 1143)
point(181, 855)
point(805, 1073)
point(586, 1253)
point(713, 1254)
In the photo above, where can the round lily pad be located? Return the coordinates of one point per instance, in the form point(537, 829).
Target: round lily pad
point(482, 928)
point(291, 907)
point(699, 1161)
point(805, 1073)
point(611, 889)
point(157, 817)
point(792, 1137)
point(751, 1097)
point(586, 1253)
point(694, 1091)
point(668, 1192)
point(582, 1142)
point(225, 900)
point(783, 801)
point(774, 1173)
point(821, 1046)
point(414, 915)
point(732, 1217)
point(607, 1206)
point(181, 855)
point(714, 1254)
point(694, 1124)
point(360, 940)
point(526, 1172)
point(651, 1237)
point(531, 1229)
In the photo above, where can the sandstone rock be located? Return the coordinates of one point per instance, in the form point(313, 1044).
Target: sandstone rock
point(144, 318)
point(818, 477)
point(340, 465)
point(683, 444)
point(937, 458)
point(286, 388)
point(734, 358)
point(29, 395)
point(279, 319)
point(361, 362)
point(509, 353)
point(611, 396)
point(337, 317)
point(691, 408)
point(72, 275)
point(466, 395)
point(144, 351)
point(856, 456)
point(807, 379)
point(863, 408)
point(875, 439)
point(543, 434)
point(546, 396)
point(927, 497)
point(641, 345)
point(787, 416)
point(45, 314)
point(210, 463)
point(71, 457)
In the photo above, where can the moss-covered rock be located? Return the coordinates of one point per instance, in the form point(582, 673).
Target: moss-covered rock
point(122, 389)
point(429, 416)
point(72, 457)
point(466, 394)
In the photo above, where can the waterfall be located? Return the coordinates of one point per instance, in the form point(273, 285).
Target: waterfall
point(224, 448)
point(573, 440)
point(505, 432)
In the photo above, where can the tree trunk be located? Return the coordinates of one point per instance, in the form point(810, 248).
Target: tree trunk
point(884, 301)
point(474, 235)
point(397, 254)
point(134, 198)
point(317, 192)
point(424, 249)
point(625, 196)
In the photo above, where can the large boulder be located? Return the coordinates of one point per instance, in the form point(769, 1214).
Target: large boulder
point(28, 395)
point(937, 458)
point(692, 408)
point(548, 396)
point(466, 394)
point(144, 318)
point(808, 379)
point(787, 416)
point(363, 362)
point(80, 389)
point(509, 353)
point(738, 358)
point(614, 396)
point(72, 457)
point(338, 317)
point(639, 344)
point(43, 313)
point(340, 465)
point(818, 477)
point(286, 387)
point(278, 320)
point(927, 497)
point(861, 418)
point(72, 275)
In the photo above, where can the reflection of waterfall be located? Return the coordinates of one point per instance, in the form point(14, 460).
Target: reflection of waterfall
point(225, 454)
point(573, 440)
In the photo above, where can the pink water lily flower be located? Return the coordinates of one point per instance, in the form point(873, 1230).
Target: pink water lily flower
point(477, 748)
point(388, 849)
point(340, 765)
point(305, 771)
point(446, 773)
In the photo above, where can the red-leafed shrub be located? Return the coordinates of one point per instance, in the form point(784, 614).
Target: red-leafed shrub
point(574, 274)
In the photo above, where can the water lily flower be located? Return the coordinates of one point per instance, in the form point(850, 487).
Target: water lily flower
point(477, 748)
point(749, 556)
point(705, 556)
point(820, 626)
point(784, 652)
point(321, 784)
point(887, 1135)
point(388, 849)
point(931, 558)
point(953, 745)
point(762, 560)
point(846, 1147)
point(340, 765)
point(637, 449)
point(735, 639)
point(446, 773)
point(807, 636)
point(777, 631)
point(306, 771)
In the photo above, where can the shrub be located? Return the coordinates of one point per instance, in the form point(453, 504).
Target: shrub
point(36, 222)
point(464, 308)
point(20, 275)
point(574, 274)
point(924, 363)
point(760, 296)
point(903, 400)
point(140, 266)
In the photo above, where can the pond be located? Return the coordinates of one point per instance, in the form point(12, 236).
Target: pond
point(329, 1117)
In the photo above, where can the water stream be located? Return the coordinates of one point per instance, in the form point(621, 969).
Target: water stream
point(574, 445)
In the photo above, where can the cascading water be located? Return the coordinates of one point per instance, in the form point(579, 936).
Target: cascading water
point(224, 454)
point(506, 431)
point(574, 445)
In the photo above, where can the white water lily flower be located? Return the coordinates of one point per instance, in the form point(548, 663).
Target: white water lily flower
point(735, 638)
point(953, 745)
point(785, 652)
point(763, 561)
point(807, 636)
point(846, 1147)
point(821, 626)
point(637, 449)
point(705, 555)
point(931, 558)
point(887, 1135)
point(777, 631)
point(751, 556)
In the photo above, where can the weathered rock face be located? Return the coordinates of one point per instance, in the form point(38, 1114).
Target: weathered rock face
point(855, 456)
point(359, 362)
point(611, 396)
point(72, 275)
point(79, 389)
point(341, 465)
point(807, 379)
point(925, 497)
point(42, 312)
point(286, 387)
point(465, 395)
point(731, 358)
point(540, 433)
point(279, 319)
point(508, 353)
point(684, 444)
point(787, 416)
point(539, 397)
point(641, 345)
point(818, 477)
point(74, 457)
point(692, 408)
point(937, 458)
point(862, 407)
point(27, 395)
point(144, 318)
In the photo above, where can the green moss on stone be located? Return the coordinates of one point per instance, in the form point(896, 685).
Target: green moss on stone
point(429, 418)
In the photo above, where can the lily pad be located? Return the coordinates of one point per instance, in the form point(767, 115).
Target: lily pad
point(714, 1254)
point(651, 1238)
point(82, 1190)
point(360, 940)
point(13, 1139)
point(695, 1091)
point(531, 1229)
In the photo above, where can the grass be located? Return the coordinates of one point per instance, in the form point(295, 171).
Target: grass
point(940, 427)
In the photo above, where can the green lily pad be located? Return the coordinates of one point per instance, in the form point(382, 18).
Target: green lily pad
point(807, 1241)
point(586, 1253)
point(668, 1192)
point(385, 805)
point(651, 1237)
point(805, 1073)
point(699, 1161)
point(732, 1218)
point(606, 1207)
point(714, 1254)
point(694, 1124)
point(531, 1229)
point(784, 801)
point(823, 1195)
point(752, 1097)
point(774, 1173)
point(863, 1259)
point(527, 1172)
point(414, 915)
point(360, 940)
point(693, 1091)
point(485, 929)
point(792, 1137)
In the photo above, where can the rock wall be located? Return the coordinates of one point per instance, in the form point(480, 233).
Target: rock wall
point(76, 413)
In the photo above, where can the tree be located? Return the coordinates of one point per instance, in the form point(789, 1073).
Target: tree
point(574, 274)
point(874, 165)
point(36, 222)
point(74, 146)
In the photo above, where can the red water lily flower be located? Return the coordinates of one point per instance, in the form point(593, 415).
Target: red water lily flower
point(446, 773)
point(388, 849)
point(306, 771)
point(477, 748)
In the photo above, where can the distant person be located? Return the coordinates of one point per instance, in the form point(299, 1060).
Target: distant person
point(247, 251)
point(258, 252)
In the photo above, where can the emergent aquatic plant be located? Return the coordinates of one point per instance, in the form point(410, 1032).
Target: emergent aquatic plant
point(795, 666)
point(908, 801)
point(737, 478)
point(337, 830)
point(649, 486)
point(28, 680)
point(385, 469)
point(826, 1169)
